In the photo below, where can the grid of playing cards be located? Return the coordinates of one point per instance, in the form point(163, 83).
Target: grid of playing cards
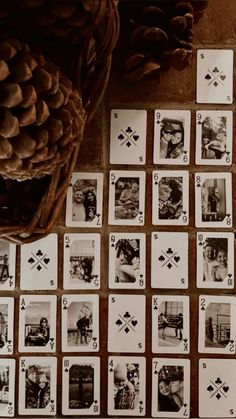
point(128, 309)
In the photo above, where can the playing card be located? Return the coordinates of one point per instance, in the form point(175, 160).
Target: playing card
point(214, 137)
point(126, 323)
point(215, 260)
point(213, 199)
point(80, 323)
point(170, 197)
point(7, 265)
point(170, 387)
point(38, 268)
point(37, 323)
point(215, 76)
point(128, 136)
point(81, 385)
point(171, 136)
point(217, 324)
point(6, 326)
point(170, 324)
point(84, 200)
point(81, 261)
point(126, 386)
point(126, 198)
point(127, 255)
point(7, 393)
point(217, 381)
point(37, 385)
point(169, 260)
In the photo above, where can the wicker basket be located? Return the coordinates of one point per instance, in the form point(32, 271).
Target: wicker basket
point(30, 208)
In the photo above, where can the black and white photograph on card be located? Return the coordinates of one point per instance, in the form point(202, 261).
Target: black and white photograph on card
point(215, 260)
point(171, 137)
point(81, 377)
point(6, 325)
point(126, 198)
point(170, 387)
point(214, 130)
point(127, 254)
point(7, 265)
point(126, 386)
point(217, 324)
point(128, 136)
point(84, 200)
point(169, 261)
point(37, 323)
point(81, 261)
point(7, 387)
point(170, 324)
point(80, 323)
point(37, 386)
point(170, 197)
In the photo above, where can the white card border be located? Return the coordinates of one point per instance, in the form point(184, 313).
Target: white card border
point(8, 347)
point(5, 362)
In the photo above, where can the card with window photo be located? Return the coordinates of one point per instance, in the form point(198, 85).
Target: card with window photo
point(7, 392)
point(81, 386)
point(38, 267)
point(81, 261)
point(215, 260)
point(170, 195)
point(80, 323)
point(213, 199)
point(7, 266)
point(126, 198)
point(217, 324)
point(171, 136)
point(170, 387)
point(37, 323)
point(214, 137)
point(6, 325)
point(37, 385)
point(127, 255)
point(84, 200)
point(128, 136)
point(126, 386)
point(170, 324)
point(169, 260)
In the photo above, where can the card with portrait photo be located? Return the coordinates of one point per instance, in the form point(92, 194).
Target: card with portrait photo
point(171, 136)
point(126, 198)
point(38, 267)
point(127, 255)
point(6, 325)
point(37, 323)
point(126, 386)
point(84, 200)
point(169, 260)
point(213, 199)
point(128, 133)
point(217, 324)
point(81, 385)
point(81, 261)
point(170, 195)
point(170, 324)
point(7, 266)
point(37, 385)
point(7, 393)
point(80, 323)
point(170, 387)
point(215, 260)
point(214, 137)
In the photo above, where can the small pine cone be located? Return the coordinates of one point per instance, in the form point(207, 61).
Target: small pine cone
point(41, 116)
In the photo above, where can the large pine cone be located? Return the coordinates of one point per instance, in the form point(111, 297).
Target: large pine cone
point(39, 113)
point(161, 35)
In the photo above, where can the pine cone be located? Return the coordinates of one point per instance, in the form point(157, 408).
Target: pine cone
point(161, 35)
point(40, 114)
